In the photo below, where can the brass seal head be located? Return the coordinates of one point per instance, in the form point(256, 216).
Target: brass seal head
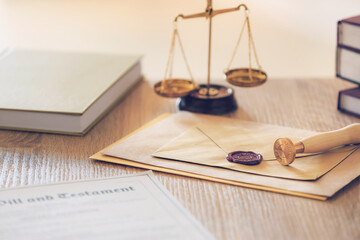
point(284, 151)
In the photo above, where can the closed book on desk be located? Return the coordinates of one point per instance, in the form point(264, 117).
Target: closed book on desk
point(61, 92)
point(348, 50)
point(349, 101)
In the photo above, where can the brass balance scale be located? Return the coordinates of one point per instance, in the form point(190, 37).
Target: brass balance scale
point(210, 98)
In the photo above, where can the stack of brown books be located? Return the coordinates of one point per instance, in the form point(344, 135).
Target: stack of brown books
point(348, 64)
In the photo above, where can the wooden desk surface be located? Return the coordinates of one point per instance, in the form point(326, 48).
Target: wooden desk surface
point(227, 211)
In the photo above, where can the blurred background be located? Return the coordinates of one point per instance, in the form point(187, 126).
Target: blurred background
point(293, 38)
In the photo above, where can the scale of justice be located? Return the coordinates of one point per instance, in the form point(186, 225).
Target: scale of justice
point(210, 98)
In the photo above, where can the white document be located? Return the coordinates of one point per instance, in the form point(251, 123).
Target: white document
point(127, 207)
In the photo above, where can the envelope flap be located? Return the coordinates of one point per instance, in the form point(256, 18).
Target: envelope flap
point(230, 138)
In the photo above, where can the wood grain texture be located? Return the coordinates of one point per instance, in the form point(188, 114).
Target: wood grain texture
point(228, 212)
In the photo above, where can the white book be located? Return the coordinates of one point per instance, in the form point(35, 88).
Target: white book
point(348, 64)
point(349, 32)
point(62, 92)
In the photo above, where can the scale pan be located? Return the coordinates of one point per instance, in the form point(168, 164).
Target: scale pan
point(241, 77)
point(174, 87)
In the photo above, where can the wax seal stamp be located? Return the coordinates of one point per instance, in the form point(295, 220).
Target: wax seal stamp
point(246, 158)
point(285, 150)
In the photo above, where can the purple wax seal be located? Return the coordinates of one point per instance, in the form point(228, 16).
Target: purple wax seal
point(246, 158)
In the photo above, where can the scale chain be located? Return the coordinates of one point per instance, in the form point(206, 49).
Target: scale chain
point(170, 62)
point(251, 46)
point(184, 56)
point(237, 45)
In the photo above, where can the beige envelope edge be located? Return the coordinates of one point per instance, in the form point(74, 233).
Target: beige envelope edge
point(208, 145)
point(334, 176)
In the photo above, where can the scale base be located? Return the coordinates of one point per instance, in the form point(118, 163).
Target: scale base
point(221, 103)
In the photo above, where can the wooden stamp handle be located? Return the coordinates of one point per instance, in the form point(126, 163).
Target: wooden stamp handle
point(325, 141)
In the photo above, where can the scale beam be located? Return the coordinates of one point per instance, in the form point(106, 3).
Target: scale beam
point(209, 14)
point(226, 10)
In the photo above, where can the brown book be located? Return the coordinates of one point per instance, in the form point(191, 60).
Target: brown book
point(349, 101)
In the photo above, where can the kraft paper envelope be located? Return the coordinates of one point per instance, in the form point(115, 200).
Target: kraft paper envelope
point(136, 149)
point(209, 145)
